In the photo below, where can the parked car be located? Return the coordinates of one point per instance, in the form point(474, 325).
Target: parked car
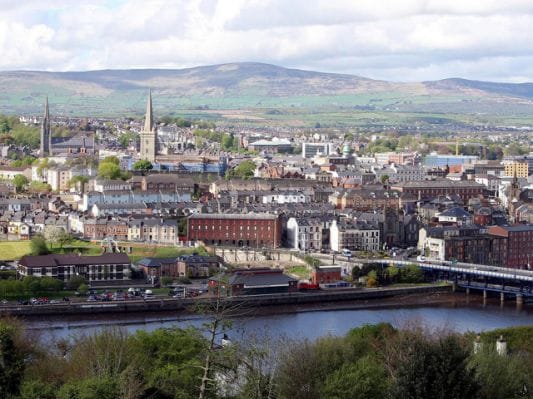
point(148, 294)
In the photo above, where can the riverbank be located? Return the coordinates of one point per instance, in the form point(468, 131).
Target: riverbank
point(358, 297)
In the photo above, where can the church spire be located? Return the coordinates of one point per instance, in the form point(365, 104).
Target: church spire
point(46, 136)
point(148, 135)
point(46, 110)
point(149, 121)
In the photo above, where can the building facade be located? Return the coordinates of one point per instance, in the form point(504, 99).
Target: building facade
point(243, 230)
point(354, 236)
point(63, 267)
point(519, 248)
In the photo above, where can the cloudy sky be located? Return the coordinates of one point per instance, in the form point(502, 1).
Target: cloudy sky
point(401, 40)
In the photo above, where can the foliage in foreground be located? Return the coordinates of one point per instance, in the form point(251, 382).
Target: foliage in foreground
point(372, 361)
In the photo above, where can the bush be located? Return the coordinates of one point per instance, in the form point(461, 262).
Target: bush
point(165, 281)
point(38, 246)
point(311, 261)
point(83, 289)
point(184, 280)
point(75, 282)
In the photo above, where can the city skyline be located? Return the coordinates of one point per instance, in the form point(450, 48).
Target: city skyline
point(412, 41)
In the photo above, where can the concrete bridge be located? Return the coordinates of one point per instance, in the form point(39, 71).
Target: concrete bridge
point(507, 282)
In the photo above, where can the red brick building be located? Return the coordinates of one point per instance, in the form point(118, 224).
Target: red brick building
point(243, 230)
point(252, 282)
point(439, 187)
point(519, 244)
point(326, 274)
point(98, 229)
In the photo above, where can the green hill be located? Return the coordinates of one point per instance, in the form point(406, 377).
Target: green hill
point(253, 87)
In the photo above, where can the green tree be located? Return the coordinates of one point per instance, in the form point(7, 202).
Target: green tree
point(36, 389)
point(412, 274)
point(38, 246)
point(245, 170)
point(502, 377)
point(228, 142)
point(171, 359)
point(11, 361)
point(25, 135)
point(393, 274)
point(435, 369)
point(311, 261)
point(143, 165)
point(39, 187)
point(111, 159)
point(51, 284)
point(366, 378)
point(83, 289)
point(63, 238)
point(127, 138)
point(91, 388)
point(515, 149)
point(109, 170)
point(75, 282)
point(79, 182)
point(20, 181)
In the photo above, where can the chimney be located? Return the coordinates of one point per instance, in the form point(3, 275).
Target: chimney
point(477, 344)
point(501, 346)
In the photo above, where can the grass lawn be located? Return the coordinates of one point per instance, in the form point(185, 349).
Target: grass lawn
point(303, 272)
point(83, 247)
point(140, 252)
point(11, 250)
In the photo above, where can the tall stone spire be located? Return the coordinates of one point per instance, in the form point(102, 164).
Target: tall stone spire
point(148, 135)
point(149, 121)
point(46, 136)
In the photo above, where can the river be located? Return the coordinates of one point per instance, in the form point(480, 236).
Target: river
point(304, 322)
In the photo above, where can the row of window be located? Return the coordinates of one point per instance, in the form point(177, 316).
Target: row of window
point(241, 228)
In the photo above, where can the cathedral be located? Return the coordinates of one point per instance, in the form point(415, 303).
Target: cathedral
point(81, 143)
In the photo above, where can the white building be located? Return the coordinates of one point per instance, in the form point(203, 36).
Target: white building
point(310, 150)
point(355, 236)
point(304, 234)
point(285, 198)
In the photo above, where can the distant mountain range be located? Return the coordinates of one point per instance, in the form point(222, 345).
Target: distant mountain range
point(240, 86)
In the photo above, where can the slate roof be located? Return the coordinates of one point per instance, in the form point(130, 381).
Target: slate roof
point(156, 262)
point(456, 212)
point(61, 260)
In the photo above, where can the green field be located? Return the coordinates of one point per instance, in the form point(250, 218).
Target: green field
point(302, 271)
point(11, 250)
point(144, 251)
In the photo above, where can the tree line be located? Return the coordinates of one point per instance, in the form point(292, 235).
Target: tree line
point(372, 361)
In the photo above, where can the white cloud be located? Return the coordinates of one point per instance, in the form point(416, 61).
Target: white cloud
point(403, 40)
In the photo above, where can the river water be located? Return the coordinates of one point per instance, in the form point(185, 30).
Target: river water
point(307, 322)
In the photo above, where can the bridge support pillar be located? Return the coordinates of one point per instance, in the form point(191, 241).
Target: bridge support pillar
point(467, 291)
point(484, 294)
point(502, 297)
point(519, 301)
point(454, 286)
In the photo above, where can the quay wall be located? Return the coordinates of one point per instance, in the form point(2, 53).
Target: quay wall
point(171, 304)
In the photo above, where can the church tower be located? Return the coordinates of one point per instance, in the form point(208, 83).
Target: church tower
point(46, 135)
point(149, 134)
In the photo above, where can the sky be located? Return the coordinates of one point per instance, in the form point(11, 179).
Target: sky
point(397, 40)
